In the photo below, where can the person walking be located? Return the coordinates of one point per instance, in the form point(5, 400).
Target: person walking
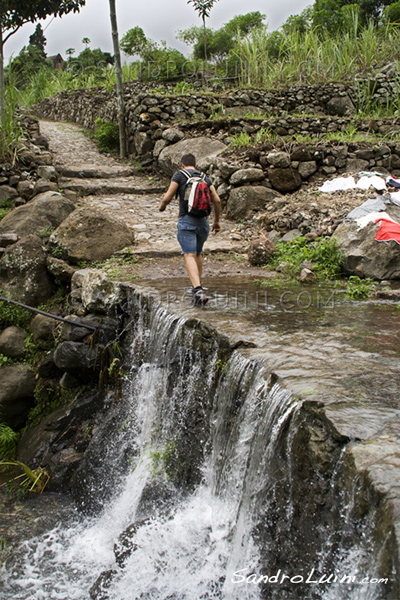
point(192, 230)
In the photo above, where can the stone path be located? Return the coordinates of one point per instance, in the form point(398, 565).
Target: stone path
point(114, 186)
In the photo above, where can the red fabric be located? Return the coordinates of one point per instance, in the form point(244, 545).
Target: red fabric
point(389, 230)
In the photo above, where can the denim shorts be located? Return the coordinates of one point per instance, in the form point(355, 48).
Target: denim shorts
point(192, 233)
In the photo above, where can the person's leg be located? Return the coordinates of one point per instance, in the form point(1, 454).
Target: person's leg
point(193, 267)
point(199, 262)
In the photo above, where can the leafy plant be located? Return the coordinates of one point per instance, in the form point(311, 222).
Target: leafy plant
point(358, 289)
point(323, 253)
point(8, 442)
point(107, 135)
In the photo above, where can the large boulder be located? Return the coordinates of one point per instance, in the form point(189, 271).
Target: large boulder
point(244, 200)
point(364, 256)
point(17, 384)
point(285, 180)
point(204, 149)
point(260, 251)
point(23, 272)
point(89, 235)
point(45, 212)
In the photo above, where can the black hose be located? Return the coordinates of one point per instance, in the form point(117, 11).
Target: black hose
point(46, 314)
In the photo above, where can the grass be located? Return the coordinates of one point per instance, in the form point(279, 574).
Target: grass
point(323, 253)
point(268, 60)
point(11, 131)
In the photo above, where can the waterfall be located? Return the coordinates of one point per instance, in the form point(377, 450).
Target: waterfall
point(184, 482)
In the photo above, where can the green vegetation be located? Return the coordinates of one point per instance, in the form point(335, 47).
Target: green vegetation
point(323, 253)
point(10, 314)
point(165, 461)
point(8, 442)
point(359, 289)
point(107, 136)
point(32, 480)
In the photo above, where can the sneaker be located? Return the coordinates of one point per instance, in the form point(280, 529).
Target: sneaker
point(199, 298)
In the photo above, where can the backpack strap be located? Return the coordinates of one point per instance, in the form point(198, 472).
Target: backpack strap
point(186, 173)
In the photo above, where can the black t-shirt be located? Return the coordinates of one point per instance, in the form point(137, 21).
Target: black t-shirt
point(181, 180)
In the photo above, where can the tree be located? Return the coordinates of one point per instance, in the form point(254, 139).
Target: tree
point(222, 41)
point(334, 15)
point(391, 14)
point(118, 74)
point(38, 40)
point(134, 42)
point(86, 42)
point(203, 8)
point(15, 13)
point(158, 60)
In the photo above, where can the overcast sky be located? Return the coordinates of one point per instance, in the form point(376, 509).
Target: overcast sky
point(159, 19)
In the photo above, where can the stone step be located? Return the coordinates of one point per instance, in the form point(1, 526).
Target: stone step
point(95, 172)
point(100, 187)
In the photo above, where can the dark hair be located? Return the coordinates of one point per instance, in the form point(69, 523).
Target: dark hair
point(188, 160)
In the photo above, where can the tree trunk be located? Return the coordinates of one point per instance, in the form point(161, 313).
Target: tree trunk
point(205, 48)
point(118, 73)
point(2, 85)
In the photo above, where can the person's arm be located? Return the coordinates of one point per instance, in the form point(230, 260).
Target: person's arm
point(217, 209)
point(169, 195)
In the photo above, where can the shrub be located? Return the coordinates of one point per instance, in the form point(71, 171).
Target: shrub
point(107, 135)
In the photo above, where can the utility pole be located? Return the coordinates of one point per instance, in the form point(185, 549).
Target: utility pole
point(120, 88)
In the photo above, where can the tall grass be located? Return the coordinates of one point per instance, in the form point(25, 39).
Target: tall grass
point(10, 131)
point(45, 83)
point(268, 60)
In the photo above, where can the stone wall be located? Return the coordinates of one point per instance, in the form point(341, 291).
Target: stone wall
point(150, 110)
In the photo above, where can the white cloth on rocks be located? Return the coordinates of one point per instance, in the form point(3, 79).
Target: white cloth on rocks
point(348, 183)
point(372, 217)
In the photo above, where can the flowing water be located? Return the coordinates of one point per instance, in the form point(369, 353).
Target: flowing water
point(199, 541)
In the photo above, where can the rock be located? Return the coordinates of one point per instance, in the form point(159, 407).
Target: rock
point(81, 360)
point(23, 272)
point(260, 251)
point(6, 239)
point(306, 169)
point(159, 147)
point(389, 295)
point(274, 236)
point(47, 368)
point(26, 189)
point(172, 135)
point(281, 160)
point(226, 169)
point(203, 148)
point(97, 292)
point(99, 590)
point(60, 269)
point(42, 186)
point(243, 200)
point(355, 165)
point(47, 172)
point(12, 342)
point(45, 211)
point(307, 276)
point(42, 328)
point(291, 235)
point(285, 180)
point(301, 154)
point(364, 256)
point(7, 193)
point(143, 142)
point(243, 176)
point(340, 106)
point(16, 394)
point(125, 544)
point(89, 234)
